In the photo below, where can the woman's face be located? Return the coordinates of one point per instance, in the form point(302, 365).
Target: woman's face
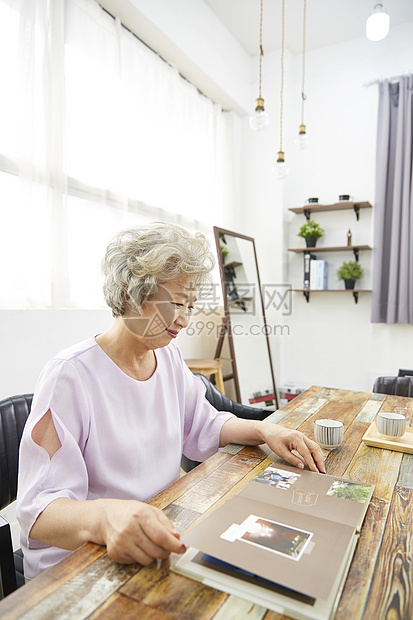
point(164, 314)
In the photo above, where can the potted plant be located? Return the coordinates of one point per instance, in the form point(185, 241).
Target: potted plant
point(350, 272)
point(224, 251)
point(311, 231)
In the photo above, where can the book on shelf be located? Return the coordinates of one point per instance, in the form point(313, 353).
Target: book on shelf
point(285, 541)
point(308, 259)
point(318, 275)
point(266, 397)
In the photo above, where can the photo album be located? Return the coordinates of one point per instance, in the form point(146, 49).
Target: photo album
point(284, 542)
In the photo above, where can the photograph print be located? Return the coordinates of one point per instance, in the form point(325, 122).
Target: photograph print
point(349, 490)
point(275, 537)
point(279, 478)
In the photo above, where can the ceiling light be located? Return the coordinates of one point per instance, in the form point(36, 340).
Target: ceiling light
point(259, 119)
point(280, 169)
point(377, 25)
point(301, 140)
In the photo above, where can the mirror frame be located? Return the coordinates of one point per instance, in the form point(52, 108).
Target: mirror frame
point(222, 231)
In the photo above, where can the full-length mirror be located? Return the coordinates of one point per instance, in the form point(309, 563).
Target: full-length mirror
point(249, 347)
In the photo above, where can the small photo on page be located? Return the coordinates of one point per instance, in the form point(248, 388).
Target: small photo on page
point(279, 478)
point(350, 490)
point(275, 537)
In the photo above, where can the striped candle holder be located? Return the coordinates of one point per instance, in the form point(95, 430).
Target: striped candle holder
point(328, 433)
point(391, 425)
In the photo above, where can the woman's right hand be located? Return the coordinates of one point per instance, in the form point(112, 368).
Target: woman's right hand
point(136, 532)
point(132, 531)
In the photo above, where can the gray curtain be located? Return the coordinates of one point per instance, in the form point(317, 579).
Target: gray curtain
point(392, 298)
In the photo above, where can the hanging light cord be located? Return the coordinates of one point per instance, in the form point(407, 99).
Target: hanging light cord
point(303, 95)
point(282, 74)
point(261, 49)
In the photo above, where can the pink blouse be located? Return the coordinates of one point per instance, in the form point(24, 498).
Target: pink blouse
point(120, 438)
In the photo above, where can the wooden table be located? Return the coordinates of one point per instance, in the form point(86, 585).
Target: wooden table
point(379, 585)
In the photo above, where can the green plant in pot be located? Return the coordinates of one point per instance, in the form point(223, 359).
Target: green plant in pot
point(224, 251)
point(350, 272)
point(311, 231)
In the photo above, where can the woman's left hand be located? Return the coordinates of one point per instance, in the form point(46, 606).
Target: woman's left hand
point(283, 441)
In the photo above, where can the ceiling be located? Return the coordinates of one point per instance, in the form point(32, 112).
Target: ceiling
point(328, 21)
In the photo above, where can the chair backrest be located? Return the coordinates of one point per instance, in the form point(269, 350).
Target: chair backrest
point(13, 415)
point(223, 403)
point(403, 372)
point(398, 386)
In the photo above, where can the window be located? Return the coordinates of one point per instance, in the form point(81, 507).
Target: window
point(98, 133)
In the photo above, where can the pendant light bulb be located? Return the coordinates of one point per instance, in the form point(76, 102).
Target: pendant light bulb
point(302, 140)
point(259, 119)
point(280, 169)
point(378, 24)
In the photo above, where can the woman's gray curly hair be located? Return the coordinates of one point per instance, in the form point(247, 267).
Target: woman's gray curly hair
point(139, 258)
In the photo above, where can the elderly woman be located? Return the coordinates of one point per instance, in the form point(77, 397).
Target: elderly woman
point(112, 415)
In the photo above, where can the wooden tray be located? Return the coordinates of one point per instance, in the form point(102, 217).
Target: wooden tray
point(372, 437)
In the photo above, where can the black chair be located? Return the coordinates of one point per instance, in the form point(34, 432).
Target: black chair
point(223, 403)
point(398, 386)
point(13, 415)
point(405, 373)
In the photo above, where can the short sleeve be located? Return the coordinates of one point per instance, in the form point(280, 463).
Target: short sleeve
point(202, 423)
point(41, 479)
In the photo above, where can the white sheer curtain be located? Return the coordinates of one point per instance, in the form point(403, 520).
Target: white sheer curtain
point(97, 133)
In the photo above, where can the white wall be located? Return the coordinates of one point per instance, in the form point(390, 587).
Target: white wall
point(331, 340)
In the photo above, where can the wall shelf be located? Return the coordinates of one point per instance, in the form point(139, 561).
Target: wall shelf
point(315, 207)
point(355, 248)
point(337, 206)
point(232, 264)
point(237, 300)
point(306, 292)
